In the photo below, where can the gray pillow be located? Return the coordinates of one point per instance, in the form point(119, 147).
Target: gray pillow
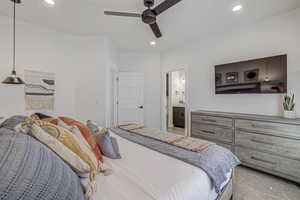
point(93, 127)
point(116, 147)
point(30, 171)
point(109, 145)
point(14, 121)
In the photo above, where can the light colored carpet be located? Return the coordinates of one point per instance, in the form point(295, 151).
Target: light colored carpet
point(254, 185)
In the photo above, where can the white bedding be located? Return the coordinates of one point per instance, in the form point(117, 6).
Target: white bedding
point(143, 174)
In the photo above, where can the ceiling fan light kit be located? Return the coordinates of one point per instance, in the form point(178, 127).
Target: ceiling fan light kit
point(149, 15)
point(13, 79)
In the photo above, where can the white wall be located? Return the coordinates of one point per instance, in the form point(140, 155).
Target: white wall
point(278, 35)
point(149, 64)
point(90, 81)
point(111, 91)
point(94, 98)
point(37, 49)
point(80, 64)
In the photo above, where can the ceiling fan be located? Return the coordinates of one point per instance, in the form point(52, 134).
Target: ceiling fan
point(149, 15)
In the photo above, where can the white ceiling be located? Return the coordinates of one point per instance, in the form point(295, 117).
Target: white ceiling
point(187, 20)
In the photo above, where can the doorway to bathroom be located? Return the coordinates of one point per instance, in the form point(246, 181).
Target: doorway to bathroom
point(176, 102)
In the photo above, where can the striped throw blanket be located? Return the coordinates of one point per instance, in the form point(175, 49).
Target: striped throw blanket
point(188, 143)
point(216, 161)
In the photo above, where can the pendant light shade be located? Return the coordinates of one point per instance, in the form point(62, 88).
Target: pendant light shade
point(13, 79)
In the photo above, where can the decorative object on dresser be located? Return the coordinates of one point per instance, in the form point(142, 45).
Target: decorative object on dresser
point(289, 106)
point(267, 143)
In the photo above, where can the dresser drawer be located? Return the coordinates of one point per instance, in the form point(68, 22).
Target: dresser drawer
point(276, 129)
point(272, 144)
point(211, 132)
point(222, 121)
point(269, 162)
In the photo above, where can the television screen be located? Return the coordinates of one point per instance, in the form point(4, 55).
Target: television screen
point(265, 75)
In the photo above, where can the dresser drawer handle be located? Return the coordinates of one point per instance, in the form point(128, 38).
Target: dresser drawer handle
point(209, 132)
point(262, 160)
point(262, 126)
point(209, 120)
point(262, 142)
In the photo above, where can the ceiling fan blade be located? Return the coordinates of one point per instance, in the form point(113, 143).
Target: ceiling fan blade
point(164, 6)
point(156, 30)
point(122, 14)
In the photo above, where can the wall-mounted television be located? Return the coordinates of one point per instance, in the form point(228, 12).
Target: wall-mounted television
point(264, 75)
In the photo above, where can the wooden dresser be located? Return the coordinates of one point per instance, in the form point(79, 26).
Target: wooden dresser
point(270, 144)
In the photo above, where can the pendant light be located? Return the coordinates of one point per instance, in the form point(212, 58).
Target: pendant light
point(13, 78)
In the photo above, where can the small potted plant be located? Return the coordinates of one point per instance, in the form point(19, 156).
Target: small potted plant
point(289, 106)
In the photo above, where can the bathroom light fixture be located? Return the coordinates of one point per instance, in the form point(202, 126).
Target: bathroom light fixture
point(152, 43)
point(50, 2)
point(237, 8)
point(13, 78)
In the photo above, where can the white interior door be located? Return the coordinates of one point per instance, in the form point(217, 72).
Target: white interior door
point(131, 98)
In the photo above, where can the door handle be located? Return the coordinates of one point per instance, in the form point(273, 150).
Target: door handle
point(209, 120)
point(141, 107)
point(262, 142)
point(209, 132)
point(262, 126)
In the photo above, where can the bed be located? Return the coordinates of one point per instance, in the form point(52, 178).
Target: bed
point(144, 174)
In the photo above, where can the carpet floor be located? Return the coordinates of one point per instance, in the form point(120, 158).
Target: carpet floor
point(254, 185)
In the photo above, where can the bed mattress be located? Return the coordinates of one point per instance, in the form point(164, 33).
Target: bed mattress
point(144, 174)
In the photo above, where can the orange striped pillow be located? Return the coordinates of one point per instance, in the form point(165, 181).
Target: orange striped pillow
point(86, 133)
point(51, 120)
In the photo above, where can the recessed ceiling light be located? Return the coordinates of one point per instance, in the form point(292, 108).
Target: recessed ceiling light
point(152, 43)
point(237, 8)
point(50, 2)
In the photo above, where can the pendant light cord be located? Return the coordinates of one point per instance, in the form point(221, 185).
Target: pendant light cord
point(13, 79)
point(14, 38)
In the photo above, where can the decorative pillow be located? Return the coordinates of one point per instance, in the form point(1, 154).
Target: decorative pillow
point(94, 128)
point(71, 142)
point(116, 148)
point(41, 116)
point(75, 131)
point(109, 145)
point(51, 120)
point(30, 171)
point(34, 117)
point(13, 122)
point(86, 133)
point(72, 159)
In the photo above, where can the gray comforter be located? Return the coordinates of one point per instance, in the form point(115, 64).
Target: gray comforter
point(30, 171)
point(216, 161)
